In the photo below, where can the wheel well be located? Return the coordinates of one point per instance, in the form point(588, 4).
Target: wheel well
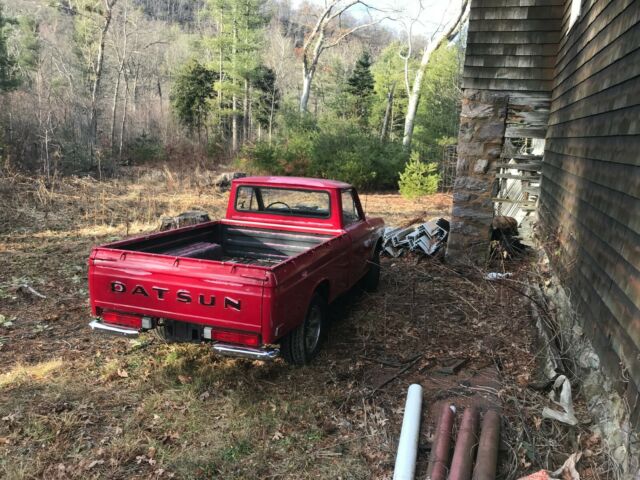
point(323, 289)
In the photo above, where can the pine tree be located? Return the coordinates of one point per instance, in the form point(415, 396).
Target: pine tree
point(235, 51)
point(360, 87)
point(192, 94)
point(8, 79)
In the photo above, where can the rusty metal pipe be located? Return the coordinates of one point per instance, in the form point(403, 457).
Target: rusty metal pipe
point(487, 460)
point(439, 457)
point(462, 462)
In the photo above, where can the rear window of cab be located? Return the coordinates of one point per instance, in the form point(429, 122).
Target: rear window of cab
point(283, 201)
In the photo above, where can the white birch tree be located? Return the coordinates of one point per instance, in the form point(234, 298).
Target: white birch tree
point(447, 33)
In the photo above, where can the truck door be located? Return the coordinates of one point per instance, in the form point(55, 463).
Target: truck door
point(359, 232)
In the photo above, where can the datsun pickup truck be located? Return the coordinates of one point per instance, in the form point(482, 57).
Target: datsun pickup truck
point(255, 284)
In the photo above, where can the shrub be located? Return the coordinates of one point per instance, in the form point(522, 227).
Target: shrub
point(143, 149)
point(418, 178)
point(336, 149)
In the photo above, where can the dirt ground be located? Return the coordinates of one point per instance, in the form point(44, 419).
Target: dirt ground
point(78, 405)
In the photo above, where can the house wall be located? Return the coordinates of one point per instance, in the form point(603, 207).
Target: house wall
point(590, 194)
point(507, 83)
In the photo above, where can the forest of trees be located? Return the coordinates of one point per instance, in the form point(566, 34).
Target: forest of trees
point(88, 86)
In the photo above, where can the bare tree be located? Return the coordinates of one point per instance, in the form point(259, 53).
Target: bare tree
point(321, 38)
point(122, 58)
point(449, 32)
point(108, 6)
point(387, 112)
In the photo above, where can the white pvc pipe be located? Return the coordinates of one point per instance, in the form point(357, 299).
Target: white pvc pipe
point(408, 445)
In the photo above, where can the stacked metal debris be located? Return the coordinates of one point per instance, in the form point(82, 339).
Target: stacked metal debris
point(426, 238)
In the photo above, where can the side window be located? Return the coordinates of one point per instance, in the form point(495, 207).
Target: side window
point(350, 212)
point(245, 198)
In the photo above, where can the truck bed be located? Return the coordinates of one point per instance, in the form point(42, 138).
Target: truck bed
point(227, 243)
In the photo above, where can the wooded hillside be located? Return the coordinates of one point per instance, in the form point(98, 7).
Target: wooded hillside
point(90, 85)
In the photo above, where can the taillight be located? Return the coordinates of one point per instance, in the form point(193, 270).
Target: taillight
point(233, 337)
point(122, 319)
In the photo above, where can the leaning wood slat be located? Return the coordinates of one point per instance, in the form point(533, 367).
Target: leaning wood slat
point(526, 158)
point(524, 202)
point(532, 167)
point(509, 176)
point(524, 132)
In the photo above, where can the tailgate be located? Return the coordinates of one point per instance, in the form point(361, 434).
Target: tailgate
point(197, 291)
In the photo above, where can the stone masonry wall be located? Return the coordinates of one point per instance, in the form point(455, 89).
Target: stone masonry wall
point(482, 129)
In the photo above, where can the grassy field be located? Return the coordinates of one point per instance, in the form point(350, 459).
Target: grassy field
point(77, 405)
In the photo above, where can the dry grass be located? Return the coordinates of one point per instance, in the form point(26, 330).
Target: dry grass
point(76, 405)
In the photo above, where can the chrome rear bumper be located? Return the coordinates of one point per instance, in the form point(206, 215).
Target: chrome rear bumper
point(97, 326)
point(245, 352)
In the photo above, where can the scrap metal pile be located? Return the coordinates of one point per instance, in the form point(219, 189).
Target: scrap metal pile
point(426, 238)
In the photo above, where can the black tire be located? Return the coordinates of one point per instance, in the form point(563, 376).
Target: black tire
point(372, 278)
point(301, 345)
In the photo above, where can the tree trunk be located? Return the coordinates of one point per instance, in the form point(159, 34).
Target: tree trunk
point(234, 123)
point(387, 112)
point(245, 112)
point(98, 76)
point(306, 91)
point(116, 92)
point(124, 118)
point(114, 104)
point(271, 112)
point(234, 99)
point(414, 96)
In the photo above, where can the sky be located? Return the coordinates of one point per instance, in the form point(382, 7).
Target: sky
point(434, 12)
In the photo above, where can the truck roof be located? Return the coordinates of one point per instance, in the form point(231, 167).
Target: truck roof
point(302, 182)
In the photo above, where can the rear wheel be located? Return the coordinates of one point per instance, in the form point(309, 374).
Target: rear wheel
point(371, 280)
point(301, 345)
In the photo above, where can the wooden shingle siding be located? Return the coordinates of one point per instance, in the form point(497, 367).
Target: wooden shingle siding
point(601, 50)
point(520, 61)
point(521, 13)
point(521, 73)
point(590, 191)
point(516, 3)
point(517, 38)
point(508, 84)
point(539, 49)
point(512, 45)
point(515, 25)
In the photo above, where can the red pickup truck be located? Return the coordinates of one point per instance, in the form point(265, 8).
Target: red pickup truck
point(256, 283)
